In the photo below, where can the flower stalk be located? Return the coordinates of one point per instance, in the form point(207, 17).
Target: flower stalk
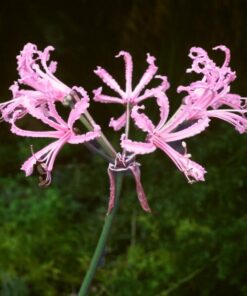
point(102, 240)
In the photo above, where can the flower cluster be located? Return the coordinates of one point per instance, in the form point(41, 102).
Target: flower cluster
point(207, 98)
point(39, 101)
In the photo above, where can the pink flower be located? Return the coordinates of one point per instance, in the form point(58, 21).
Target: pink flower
point(35, 73)
point(207, 95)
point(168, 134)
point(63, 131)
point(130, 95)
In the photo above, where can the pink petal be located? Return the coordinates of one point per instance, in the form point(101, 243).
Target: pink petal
point(35, 134)
point(118, 123)
point(141, 120)
point(139, 189)
point(46, 112)
point(128, 70)
point(190, 168)
point(147, 76)
point(137, 147)
point(89, 136)
point(78, 109)
point(178, 117)
point(163, 104)
point(46, 155)
point(239, 121)
point(192, 130)
point(99, 97)
point(227, 53)
point(109, 80)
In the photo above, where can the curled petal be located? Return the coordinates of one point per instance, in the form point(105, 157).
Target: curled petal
point(163, 104)
point(78, 109)
point(227, 53)
point(109, 80)
point(147, 76)
point(99, 97)
point(80, 93)
point(141, 120)
point(128, 70)
point(118, 123)
point(137, 147)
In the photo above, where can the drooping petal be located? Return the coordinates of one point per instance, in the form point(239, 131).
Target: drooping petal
point(139, 188)
point(35, 134)
point(137, 147)
point(128, 70)
point(109, 80)
point(99, 97)
point(192, 170)
point(147, 76)
point(141, 120)
point(46, 156)
point(118, 123)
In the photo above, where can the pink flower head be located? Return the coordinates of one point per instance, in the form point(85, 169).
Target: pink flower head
point(123, 164)
point(130, 95)
point(63, 131)
point(207, 95)
point(167, 135)
point(36, 73)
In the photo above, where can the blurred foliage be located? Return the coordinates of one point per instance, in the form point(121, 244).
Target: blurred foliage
point(195, 241)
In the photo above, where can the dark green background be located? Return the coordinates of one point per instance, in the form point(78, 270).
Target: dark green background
point(195, 242)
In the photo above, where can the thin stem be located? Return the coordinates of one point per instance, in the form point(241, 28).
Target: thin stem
point(102, 140)
point(87, 120)
point(127, 125)
point(102, 241)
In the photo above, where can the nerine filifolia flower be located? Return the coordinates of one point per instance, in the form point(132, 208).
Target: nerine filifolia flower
point(166, 135)
point(64, 132)
point(130, 95)
point(206, 96)
point(37, 73)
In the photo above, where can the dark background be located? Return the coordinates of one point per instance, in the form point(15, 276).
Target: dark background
point(195, 241)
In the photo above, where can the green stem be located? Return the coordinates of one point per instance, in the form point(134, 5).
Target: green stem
point(101, 242)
